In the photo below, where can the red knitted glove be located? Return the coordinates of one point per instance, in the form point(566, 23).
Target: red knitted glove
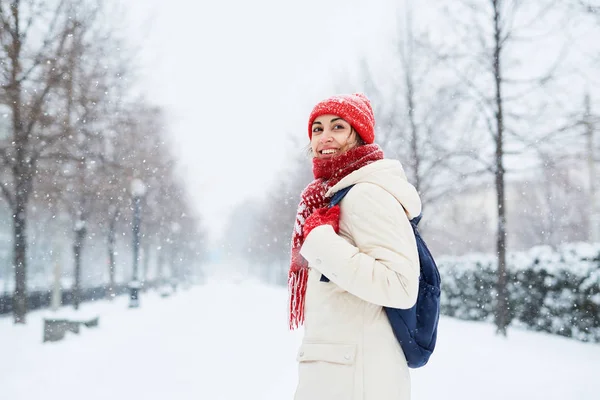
point(323, 216)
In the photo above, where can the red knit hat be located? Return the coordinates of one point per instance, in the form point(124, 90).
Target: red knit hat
point(353, 108)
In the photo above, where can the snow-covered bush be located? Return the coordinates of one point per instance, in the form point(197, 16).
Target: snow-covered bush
point(556, 291)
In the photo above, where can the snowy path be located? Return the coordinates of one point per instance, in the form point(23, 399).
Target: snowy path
point(227, 341)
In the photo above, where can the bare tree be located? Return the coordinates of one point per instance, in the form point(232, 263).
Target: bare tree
point(260, 232)
point(33, 68)
point(88, 113)
point(430, 141)
point(67, 113)
point(87, 101)
point(499, 40)
point(494, 27)
point(416, 103)
point(169, 226)
point(589, 123)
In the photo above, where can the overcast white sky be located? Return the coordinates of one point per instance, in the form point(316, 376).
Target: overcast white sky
point(239, 77)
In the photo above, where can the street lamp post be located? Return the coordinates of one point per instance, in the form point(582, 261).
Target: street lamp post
point(138, 189)
point(174, 242)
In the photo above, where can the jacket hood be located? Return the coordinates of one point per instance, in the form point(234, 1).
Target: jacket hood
point(389, 175)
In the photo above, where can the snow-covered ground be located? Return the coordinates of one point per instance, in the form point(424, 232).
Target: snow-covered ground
point(230, 341)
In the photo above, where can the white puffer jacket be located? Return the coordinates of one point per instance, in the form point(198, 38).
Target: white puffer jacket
point(349, 351)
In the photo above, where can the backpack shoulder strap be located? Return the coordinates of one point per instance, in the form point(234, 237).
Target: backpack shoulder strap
point(415, 221)
point(339, 195)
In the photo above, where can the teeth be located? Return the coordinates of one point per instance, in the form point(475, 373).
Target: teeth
point(329, 151)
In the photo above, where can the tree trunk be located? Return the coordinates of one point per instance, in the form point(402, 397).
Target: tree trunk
point(19, 254)
point(21, 175)
point(502, 303)
point(174, 267)
point(160, 264)
point(594, 220)
point(146, 265)
point(410, 100)
point(111, 255)
point(77, 249)
point(56, 287)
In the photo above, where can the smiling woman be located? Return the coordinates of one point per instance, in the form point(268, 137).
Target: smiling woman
point(332, 135)
point(352, 259)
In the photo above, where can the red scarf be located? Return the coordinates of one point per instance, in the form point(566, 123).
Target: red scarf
point(327, 173)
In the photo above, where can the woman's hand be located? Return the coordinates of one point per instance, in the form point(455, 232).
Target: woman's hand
point(323, 216)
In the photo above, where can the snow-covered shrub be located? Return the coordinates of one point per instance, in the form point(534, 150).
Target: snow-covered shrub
point(556, 291)
point(468, 287)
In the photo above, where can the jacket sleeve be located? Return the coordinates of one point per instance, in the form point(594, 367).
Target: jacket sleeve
point(383, 266)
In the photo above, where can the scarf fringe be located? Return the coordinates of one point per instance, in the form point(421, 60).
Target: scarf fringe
point(297, 282)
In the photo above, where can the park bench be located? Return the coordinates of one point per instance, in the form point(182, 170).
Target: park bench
point(55, 329)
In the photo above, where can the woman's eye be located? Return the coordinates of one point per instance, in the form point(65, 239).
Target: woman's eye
point(339, 127)
point(317, 130)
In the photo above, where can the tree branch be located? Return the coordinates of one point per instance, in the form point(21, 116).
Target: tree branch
point(40, 57)
point(7, 195)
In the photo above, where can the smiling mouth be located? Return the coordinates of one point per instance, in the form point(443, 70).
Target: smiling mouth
point(328, 152)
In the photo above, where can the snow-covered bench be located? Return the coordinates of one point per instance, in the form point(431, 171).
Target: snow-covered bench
point(55, 329)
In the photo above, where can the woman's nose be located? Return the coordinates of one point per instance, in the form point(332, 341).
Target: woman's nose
point(326, 137)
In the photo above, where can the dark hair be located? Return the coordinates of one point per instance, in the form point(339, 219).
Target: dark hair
point(359, 140)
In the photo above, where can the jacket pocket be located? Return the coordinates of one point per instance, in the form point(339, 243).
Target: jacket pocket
point(326, 371)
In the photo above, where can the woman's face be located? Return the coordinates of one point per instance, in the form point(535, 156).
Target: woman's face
point(331, 136)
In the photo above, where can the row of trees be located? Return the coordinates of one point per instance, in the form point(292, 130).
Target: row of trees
point(75, 135)
point(489, 111)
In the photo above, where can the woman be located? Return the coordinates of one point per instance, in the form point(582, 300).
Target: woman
point(350, 260)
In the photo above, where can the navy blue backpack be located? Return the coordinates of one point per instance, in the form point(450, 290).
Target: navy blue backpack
point(415, 328)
